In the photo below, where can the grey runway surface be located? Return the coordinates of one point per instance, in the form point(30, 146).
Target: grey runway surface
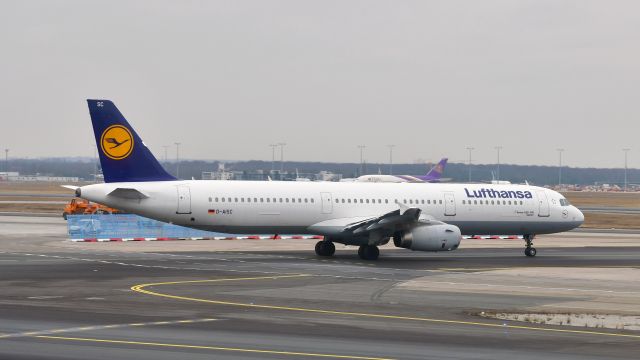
point(77, 302)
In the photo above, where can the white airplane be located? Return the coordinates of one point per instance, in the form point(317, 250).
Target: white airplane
point(416, 217)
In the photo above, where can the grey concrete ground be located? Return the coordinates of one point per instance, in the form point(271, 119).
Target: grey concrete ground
point(276, 299)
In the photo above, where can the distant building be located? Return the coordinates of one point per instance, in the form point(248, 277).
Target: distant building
point(15, 176)
point(221, 174)
point(328, 176)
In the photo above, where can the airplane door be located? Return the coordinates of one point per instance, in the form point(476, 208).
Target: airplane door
point(543, 204)
point(184, 200)
point(449, 204)
point(327, 205)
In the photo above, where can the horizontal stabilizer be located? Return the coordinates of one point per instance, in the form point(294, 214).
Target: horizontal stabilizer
point(128, 193)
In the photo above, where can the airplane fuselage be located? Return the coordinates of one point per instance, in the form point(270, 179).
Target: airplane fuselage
point(250, 207)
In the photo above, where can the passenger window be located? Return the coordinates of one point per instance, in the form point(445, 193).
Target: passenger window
point(475, 202)
point(440, 202)
point(261, 199)
point(241, 199)
point(386, 201)
point(216, 199)
point(312, 200)
point(228, 199)
point(349, 201)
point(299, 200)
point(286, 199)
point(222, 199)
point(342, 201)
point(236, 199)
point(462, 202)
point(255, 200)
point(306, 200)
point(248, 199)
point(210, 199)
point(268, 200)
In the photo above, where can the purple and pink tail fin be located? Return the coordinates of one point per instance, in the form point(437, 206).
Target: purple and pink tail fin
point(436, 171)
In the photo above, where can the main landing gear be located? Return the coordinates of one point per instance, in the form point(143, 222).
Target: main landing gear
point(325, 248)
point(529, 250)
point(368, 252)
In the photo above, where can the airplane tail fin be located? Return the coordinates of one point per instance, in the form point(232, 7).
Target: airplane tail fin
point(123, 155)
point(436, 171)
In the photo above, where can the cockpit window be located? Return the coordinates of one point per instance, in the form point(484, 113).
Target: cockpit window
point(564, 202)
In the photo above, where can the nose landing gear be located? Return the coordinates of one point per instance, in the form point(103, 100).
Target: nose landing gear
point(529, 250)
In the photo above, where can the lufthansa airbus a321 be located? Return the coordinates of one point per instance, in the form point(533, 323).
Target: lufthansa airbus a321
point(413, 216)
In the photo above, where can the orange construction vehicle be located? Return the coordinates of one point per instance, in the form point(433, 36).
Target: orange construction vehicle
point(80, 206)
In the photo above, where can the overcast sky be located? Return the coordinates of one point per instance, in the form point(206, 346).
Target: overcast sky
point(227, 78)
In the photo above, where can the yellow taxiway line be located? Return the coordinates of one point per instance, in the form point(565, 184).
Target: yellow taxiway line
point(204, 347)
point(141, 288)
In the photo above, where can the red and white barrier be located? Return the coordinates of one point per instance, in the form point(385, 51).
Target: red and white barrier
point(248, 237)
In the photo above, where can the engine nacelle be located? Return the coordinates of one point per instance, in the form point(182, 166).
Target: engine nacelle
point(442, 237)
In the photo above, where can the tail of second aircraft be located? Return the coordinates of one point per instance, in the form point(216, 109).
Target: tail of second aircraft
point(123, 155)
point(436, 172)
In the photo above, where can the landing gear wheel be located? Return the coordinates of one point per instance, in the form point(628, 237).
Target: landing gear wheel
point(530, 252)
point(368, 252)
point(325, 248)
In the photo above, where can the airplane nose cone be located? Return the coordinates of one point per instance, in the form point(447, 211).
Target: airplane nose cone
point(578, 216)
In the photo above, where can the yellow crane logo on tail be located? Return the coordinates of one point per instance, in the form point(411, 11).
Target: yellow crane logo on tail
point(116, 142)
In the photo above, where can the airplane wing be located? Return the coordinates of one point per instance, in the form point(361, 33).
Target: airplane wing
point(375, 228)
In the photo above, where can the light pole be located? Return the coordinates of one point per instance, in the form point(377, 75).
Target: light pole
point(469, 166)
point(281, 158)
point(391, 158)
point(95, 164)
point(177, 160)
point(560, 151)
point(498, 148)
point(626, 150)
point(166, 148)
point(361, 147)
point(273, 156)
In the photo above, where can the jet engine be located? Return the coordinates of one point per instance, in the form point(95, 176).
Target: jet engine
point(442, 237)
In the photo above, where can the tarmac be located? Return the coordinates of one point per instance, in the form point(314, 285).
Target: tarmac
point(275, 299)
